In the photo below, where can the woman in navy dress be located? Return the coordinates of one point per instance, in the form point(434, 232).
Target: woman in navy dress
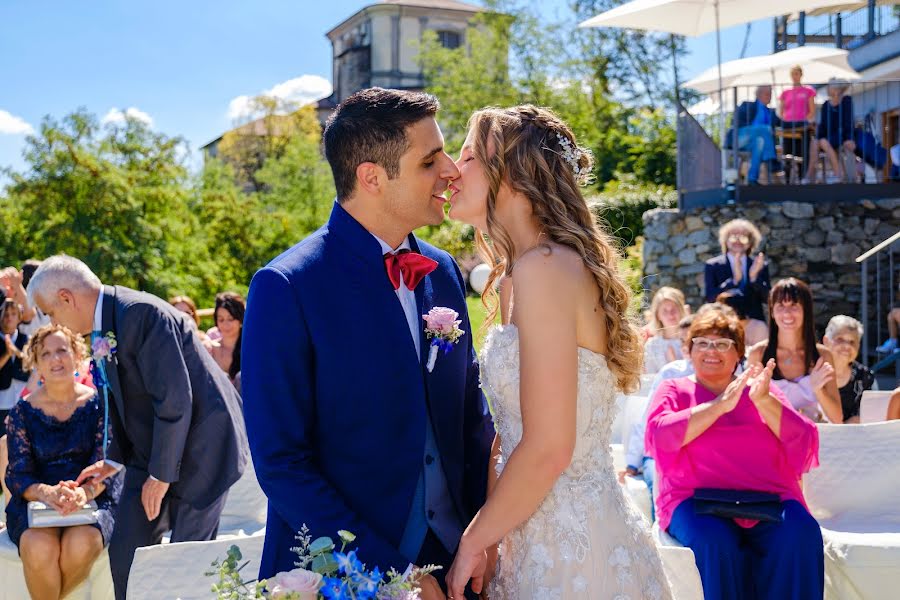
point(53, 434)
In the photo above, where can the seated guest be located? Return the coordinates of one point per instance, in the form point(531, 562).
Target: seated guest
point(187, 305)
point(892, 344)
point(52, 435)
point(798, 110)
point(736, 270)
point(755, 123)
point(12, 375)
point(15, 282)
point(893, 412)
point(755, 331)
point(229, 316)
point(835, 131)
point(804, 370)
point(715, 432)
point(842, 337)
point(666, 310)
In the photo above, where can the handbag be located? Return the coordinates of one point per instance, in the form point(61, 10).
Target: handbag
point(41, 515)
point(738, 504)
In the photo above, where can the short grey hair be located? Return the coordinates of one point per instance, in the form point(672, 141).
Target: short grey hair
point(839, 323)
point(61, 272)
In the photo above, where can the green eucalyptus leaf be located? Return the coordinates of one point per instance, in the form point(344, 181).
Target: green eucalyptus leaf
point(321, 545)
point(324, 564)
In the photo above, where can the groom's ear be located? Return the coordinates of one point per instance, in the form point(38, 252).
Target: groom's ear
point(371, 178)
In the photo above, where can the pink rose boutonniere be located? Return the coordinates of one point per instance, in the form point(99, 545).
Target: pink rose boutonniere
point(104, 347)
point(442, 328)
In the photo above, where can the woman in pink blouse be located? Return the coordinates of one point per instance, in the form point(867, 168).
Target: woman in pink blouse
point(798, 110)
point(716, 434)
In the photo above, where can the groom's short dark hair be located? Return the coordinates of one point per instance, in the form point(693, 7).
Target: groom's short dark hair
point(370, 126)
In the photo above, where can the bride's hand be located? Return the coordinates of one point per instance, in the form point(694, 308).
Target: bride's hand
point(467, 565)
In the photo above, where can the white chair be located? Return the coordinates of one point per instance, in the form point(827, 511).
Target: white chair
point(680, 566)
point(98, 585)
point(854, 496)
point(245, 508)
point(874, 406)
point(168, 571)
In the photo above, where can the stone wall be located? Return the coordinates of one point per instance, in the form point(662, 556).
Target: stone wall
point(817, 243)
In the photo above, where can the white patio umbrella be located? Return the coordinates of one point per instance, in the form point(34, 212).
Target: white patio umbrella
point(819, 64)
point(698, 17)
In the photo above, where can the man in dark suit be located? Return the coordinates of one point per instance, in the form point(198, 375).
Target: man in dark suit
point(737, 271)
point(349, 427)
point(177, 421)
point(755, 123)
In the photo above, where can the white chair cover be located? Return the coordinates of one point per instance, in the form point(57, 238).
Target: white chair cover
point(874, 406)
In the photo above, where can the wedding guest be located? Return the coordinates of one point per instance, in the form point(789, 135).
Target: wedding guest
point(755, 123)
point(15, 284)
point(736, 270)
point(893, 412)
point(798, 109)
point(666, 309)
point(187, 305)
point(804, 370)
point(755, 330)
point(842, 337)
point(716, 432)
point(229, 316)
point(52, 436)
point(13, 376)
point(835, 132)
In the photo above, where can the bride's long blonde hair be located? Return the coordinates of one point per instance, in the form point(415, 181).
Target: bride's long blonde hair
point(533, 152)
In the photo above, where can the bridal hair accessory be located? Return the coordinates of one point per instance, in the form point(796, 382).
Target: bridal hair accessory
point(442, 328)
point(572, 155)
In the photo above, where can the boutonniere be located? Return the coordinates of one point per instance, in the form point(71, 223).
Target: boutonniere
point(104, 347)
point(442, 328)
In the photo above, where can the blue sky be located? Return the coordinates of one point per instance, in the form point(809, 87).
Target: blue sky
point(182, 64)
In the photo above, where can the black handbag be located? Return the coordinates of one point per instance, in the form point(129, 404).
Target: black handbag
point(738, 504)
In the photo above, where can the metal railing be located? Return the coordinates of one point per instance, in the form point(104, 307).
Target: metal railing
point(881, 260)
point(698, 157)
point(845, 30)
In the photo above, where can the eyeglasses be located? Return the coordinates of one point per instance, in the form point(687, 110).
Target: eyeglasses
point(739, 237)
point(719, 345)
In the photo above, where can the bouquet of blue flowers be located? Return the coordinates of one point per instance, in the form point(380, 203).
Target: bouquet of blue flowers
point(322, 572)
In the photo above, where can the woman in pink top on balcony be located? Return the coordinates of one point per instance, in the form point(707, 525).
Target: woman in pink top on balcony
point(715, 435)
point(798, 110)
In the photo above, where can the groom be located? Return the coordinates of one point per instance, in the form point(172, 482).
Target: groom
point(175, 417)
point(348, 428)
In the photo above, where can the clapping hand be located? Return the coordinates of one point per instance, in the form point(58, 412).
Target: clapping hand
point(821, 375)
point(760, 378)
point(758, 263)
point(732, 394)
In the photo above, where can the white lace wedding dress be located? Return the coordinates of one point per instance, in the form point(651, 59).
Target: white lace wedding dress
point(585, 540)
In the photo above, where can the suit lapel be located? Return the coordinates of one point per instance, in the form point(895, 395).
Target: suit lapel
point(109, 324)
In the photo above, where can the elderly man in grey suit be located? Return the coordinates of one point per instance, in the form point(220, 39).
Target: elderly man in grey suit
point(177, 422)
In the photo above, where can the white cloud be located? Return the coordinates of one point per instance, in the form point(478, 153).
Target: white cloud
point(298, 91)
point(13, 125)
point(117, 116)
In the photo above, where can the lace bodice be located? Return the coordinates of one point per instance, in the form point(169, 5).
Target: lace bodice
point(585, 540)
point(596, 401)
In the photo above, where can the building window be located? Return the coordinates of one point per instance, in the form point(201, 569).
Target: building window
point(450, 39)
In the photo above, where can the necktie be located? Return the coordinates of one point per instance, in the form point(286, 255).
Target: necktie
point(413, 266)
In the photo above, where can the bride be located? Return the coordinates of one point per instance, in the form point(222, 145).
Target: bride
point(551, 371)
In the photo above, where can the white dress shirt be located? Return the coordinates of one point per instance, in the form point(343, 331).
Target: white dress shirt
point(406, 296)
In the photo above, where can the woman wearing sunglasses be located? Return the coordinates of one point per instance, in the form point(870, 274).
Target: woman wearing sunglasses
point(737, 269)
point(730, 452)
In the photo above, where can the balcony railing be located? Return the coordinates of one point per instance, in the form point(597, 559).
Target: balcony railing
point(844, 30)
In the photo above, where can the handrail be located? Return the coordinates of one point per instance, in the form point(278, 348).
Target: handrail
point(878, 248)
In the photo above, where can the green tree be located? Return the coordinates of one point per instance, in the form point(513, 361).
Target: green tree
point(114, 196)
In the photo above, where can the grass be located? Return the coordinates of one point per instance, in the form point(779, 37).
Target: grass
point(477, 314)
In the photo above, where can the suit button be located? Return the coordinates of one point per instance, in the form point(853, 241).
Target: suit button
point(429, 459)
point(430, 514)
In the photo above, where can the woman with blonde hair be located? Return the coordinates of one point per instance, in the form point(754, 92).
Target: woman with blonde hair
point(736, 269)
point(667, 308)
point(52, 435)
point(552, 369)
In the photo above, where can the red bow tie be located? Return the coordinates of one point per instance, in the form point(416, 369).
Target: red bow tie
point(413, 266)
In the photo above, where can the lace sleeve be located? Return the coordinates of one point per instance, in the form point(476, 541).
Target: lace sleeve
point(21, 471)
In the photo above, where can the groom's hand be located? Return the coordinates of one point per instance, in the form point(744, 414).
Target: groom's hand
point(152, 496)
point(99, 471)
point(430, 589)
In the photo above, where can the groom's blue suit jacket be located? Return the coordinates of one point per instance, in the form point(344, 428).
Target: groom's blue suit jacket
point(335, 397)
